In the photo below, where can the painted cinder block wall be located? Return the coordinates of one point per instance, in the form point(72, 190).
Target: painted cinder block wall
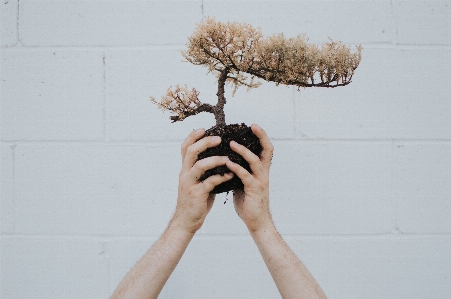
point(361, 176)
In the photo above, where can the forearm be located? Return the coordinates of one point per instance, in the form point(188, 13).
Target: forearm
point(148, 276)
point(291, 277)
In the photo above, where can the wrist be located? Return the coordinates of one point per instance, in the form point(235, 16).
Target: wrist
point(265, 235)
point(263, 228)
point(181, 228)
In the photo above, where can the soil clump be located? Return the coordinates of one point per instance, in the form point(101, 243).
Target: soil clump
point(239, 133)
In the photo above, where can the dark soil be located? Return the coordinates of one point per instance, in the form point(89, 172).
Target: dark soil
point(236, 132)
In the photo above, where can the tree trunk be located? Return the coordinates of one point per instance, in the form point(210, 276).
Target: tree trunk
point(219, 108)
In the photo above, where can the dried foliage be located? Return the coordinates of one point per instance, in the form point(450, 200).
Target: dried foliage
point(290, 61)
point(238, 54)
point(181, 101)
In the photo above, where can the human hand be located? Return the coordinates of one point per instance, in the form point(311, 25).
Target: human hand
point(194, 198)
point(252, 203)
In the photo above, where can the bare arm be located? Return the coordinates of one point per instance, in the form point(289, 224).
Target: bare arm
point(252, 205)
point(290, 275)
point(148, 276)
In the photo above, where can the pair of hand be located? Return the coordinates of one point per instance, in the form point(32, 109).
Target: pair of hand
point(194, 197)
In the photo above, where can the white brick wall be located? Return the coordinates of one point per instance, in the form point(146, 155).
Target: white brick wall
point(361, 177)
point(52, 94)
point(107, 23)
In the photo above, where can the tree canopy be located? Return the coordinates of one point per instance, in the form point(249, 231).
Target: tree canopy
point(237, 53)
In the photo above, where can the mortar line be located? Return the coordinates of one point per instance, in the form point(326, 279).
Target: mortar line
point(14, 187)
point(104, 255)
point(18, 22)
point(395, 21)
point(157, 143)
point(296, 127)
point(382, 140)
point(104, 95)
point(202, 9)
point(177, 141)
point(392, 190)
point(387, 235)
point(108, 269)
point(395, 36)
point(101, 48)
point(106, 238)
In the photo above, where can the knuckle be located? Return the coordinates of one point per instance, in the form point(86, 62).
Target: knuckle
point(199, 166)
point(253, 158)
point(271, 148)
point(209, 184)
point(241, 147)
point(191, 150)
point(213, 181)
point(214, 139)
point(190, 192)
point(246, 175)
point(183, 147)
point(183, 186)
point(219, 160)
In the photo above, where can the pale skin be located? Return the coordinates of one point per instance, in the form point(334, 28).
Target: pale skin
point(148, 276)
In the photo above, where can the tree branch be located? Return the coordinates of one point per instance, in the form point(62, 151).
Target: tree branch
point(202, 108)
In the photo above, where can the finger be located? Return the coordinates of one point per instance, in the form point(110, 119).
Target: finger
point(240, 172)
point(192, 138)
point(198, 147)
point(250, 157)
point(268, 148)
point(216, 180)
point(201, 166)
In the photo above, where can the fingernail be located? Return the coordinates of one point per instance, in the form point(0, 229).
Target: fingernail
point(225, 158)
point(233, 142)
point(216, 138)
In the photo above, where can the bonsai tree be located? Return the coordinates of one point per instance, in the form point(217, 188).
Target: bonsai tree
point(238, 54)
